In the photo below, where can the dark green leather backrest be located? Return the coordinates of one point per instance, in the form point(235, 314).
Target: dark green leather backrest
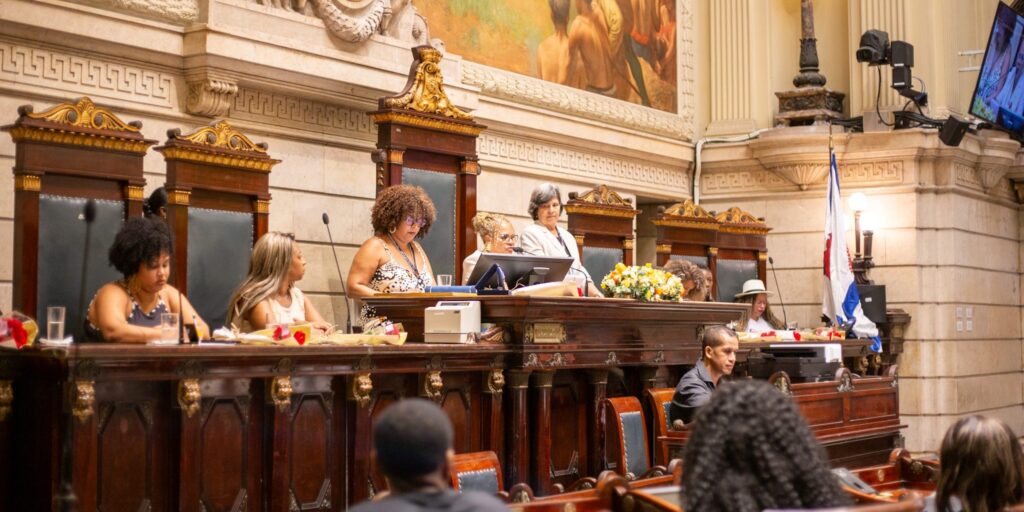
point(439, 244)
point(599, 261)
point(219, 249)
point(731, 275)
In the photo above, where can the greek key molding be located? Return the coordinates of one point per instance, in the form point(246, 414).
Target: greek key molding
point(291, 112)
point(176, 11)
point(884, 172)
point(589, 165)
point(745, 179)
point(24, 65)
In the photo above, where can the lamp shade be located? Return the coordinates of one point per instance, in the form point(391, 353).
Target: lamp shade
point(858, 201)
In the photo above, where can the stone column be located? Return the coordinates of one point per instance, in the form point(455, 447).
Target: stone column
point(890, 16)
point(740, 96)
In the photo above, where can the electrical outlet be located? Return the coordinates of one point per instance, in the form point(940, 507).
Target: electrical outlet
point(959, 325)
point(969, 324)
point(959, 311)
point(969, 312)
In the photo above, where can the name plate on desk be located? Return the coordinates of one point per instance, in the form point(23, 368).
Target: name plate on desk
point(545, 332)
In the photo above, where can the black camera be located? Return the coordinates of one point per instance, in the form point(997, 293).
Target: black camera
point(874, 48)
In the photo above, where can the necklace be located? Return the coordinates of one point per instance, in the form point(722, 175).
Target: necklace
point(412, 263)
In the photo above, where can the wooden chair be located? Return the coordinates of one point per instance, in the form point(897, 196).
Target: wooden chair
point(901, 478)
point(64, 157)
point(687, 231)
point(478, 471)
point(742, 252)
point(629, 438)
point(601, 221)
point(218, 191)
point(660, 400)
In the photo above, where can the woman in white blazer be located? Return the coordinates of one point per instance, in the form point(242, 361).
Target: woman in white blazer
point(545, 238)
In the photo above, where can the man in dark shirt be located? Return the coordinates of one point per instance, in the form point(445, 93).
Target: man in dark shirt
point(412, 443)
point(718, 356)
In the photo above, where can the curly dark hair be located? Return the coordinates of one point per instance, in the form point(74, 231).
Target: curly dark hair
point(750, 450)
point(397, 202)
point(689, 271)
point(140, 240)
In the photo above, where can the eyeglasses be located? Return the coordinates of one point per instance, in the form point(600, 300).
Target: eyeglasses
point(506, 237)
point(415, 222)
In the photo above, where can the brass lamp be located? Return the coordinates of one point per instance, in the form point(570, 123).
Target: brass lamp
point(861, 262)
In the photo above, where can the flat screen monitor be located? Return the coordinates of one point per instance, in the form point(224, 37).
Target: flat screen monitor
point(999, 93)
point(522, 269)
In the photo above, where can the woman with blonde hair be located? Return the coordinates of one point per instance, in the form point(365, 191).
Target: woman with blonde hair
point(498, 234)
point(269, 294)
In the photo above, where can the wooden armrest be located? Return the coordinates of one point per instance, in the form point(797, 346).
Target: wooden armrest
point(587, 482)
point(653, 472)
point(521, 493)
point(503, 496)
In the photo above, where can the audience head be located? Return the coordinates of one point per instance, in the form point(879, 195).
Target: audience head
point(496, 231)
point(709, 281)
point(750, 449)
point(156, 204)
point(718, 347)
point(546, 205)
point(142, 253)
point(276, 261)
point(412, 441)
point(404, 212)
point(981, 465)
point(691, 276)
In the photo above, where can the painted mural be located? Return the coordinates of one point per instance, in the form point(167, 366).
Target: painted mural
point(622, 49)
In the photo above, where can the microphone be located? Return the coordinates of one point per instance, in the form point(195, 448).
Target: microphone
point(344, 289)
point(586, 280)
point(781, 303)
point(89, 214)
point(518, 250)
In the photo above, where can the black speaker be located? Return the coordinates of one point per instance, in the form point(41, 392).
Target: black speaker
point(953, 131)
point(872, 301)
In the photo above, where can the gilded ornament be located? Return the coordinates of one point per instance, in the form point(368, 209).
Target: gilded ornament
point(735, 220)
point(84, 114)
point(189, 396)
point(28, 182)
point(433, 385)
point(579, 239)
point(221, 135)
point(443, 125)
point(362, 387)
point(426, 91)
point(495, 381)
point(663, 248)
point(281, 392)
point(63, 138)
point(83, 399)
point(601, 194)
point(6, 399)
point(252, 164)
point(262, 206)
point(134, 192)
point(627, 244)
point(178, 197)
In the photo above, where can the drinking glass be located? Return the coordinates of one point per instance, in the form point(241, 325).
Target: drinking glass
point(444, 279)
point(55, 323)
point(579, 280)
point(169, 328)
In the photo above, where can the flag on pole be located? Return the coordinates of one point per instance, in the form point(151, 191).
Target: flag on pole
point(840, 299)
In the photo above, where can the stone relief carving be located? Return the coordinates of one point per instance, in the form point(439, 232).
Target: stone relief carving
point(402, 21)
point(177, 11)
point(292, 112)
point(355, 21)
point(210, 97)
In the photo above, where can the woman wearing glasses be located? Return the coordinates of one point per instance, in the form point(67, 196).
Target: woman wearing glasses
point(391, 261)
point(498, 235)
point(545, 238)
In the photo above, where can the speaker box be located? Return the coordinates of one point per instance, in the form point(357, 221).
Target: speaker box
point(872, 301)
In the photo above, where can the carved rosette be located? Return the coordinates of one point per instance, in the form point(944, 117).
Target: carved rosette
point(210, 97)
point(495, 381)
point(83, 399)
point(425, 91)
point(432, 386)
point(362, 389)
point(6, 399)
point(281, 392)
point(189, 396)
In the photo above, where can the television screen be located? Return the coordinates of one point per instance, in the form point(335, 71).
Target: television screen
point(999, 93)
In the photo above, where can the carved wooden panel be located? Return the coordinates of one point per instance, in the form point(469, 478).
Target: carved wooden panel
point(462, 406)
point(223, 455)
point(312, 443)
point(569, 436)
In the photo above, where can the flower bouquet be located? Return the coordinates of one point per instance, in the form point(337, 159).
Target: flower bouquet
point(646, 284)
point(17, 331)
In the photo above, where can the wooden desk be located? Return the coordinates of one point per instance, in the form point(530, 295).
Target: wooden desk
point(196, 428)
point(856, 420)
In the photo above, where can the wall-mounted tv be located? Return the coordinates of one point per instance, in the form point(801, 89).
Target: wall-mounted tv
point(999, 93)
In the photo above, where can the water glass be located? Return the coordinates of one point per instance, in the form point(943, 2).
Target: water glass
point(55, 323)
point(444, 279)
point(169, 328)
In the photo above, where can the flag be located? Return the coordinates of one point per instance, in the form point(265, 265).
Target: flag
point(840, 300)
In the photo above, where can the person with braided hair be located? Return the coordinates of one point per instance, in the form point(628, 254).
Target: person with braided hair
point(750, 450)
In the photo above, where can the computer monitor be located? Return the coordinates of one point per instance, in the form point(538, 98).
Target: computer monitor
point(521, 269)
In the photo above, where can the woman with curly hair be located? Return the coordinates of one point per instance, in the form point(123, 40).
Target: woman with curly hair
point(391, 261)
point(982, 468)
point(128, 310)
point(498, 234)
point(268, 293)
point(692, 277)
point(750, 450)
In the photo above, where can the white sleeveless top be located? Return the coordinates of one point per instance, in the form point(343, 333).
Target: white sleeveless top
point(296, 313)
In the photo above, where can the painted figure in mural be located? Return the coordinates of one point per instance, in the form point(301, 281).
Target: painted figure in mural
point(588, 48)
point(665, 43)
point(553, 51)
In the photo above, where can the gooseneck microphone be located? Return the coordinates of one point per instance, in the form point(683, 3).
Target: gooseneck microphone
point(781, 302)
point(89, 214)
point(344, 289)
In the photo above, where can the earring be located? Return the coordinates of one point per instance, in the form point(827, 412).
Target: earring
point(392, 230)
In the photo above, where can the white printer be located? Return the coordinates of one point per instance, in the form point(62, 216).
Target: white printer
point(456, 321)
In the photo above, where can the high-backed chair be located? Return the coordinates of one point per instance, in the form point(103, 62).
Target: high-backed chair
point(660, 400)
point(687, 231)
point(218, 191)
point(601, 221)
point(478, 471)
point(628, 437)
point(742, 252)
point(64, 157)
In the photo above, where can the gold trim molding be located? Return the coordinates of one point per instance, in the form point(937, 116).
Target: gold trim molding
point(627, 244)
point(27, 182)
point(735, 220)
point(663, 249)
point(425, 90)
point(178, 197)
point(224, 136)
point(84, 114)
point(438, 124)
point(53, 136)
point(134, 192)
point(263, 206)
point(597, 209)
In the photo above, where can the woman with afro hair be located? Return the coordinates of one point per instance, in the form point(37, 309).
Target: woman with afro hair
point(750, 450)
point(391, 261)
point(128, 310)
